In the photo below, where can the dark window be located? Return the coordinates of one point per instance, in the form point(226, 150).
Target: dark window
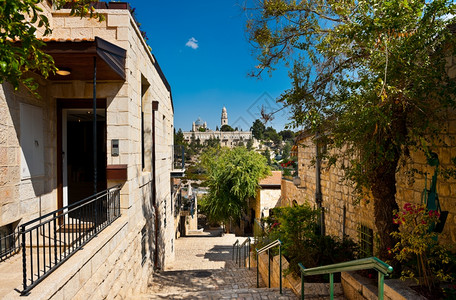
point(366, 241)
point(9, 243)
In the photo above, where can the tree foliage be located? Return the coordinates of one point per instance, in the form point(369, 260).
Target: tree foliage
point(233, 176)
point(258, 129)
point(287, 134)
point(226, 127)
point(21, 48)
point(369, 73)
point(178, 137)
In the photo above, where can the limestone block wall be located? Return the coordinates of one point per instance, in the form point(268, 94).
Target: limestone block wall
point(125, 267)
point(22, 199)
point(338, 194)
point(269, 199)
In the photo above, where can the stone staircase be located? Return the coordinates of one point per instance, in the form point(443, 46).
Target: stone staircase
point(204, 269)
point(228, 283)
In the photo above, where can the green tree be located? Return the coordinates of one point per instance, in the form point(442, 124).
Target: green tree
point(249, 144)
point(267, 155)
point(271, 134)
point(21, 48)
point(287, 134)
point(233, 176)
point(178, 137)
point(258, 129)
point(286, 152)
point(212, 142)
point(226, 127)
point(370, 74)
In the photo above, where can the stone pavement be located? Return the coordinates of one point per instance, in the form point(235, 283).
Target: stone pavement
point(204, 269)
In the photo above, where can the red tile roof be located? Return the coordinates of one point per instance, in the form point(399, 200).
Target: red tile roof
point(46, 39)
point(274, 179)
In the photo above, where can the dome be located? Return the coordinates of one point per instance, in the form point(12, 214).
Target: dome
point(199, 122)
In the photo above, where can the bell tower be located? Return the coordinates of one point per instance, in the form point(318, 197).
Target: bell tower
point(224, 119)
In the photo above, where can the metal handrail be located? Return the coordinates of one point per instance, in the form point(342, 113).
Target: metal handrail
point(360, 264)
point(245, 249)
point(50, 240)
point(268, 248)
point(234, 246)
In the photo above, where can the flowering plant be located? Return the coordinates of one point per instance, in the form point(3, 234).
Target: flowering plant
point(418, 249)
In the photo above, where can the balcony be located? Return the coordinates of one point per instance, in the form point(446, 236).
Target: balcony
point(178, 161)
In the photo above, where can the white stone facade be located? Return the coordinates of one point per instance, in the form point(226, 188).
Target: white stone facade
point(112, 263)
point(227, 138)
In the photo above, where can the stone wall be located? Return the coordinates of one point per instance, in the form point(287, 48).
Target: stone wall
point(116, 266)
point(338, 194)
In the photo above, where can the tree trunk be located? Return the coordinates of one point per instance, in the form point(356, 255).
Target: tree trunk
point(384, 191)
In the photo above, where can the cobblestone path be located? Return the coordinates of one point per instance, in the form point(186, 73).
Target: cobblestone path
point(203, 269)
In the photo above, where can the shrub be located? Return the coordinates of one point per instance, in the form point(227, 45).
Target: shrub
point(422, 257)
point(297, 228)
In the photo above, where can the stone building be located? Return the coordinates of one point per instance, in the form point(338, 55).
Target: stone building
point(342, 213)
point(230, 139)
point(268, 195)
point(64, 146)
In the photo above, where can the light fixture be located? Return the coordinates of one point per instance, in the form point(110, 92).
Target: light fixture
point(63, 71)
point(297, 181)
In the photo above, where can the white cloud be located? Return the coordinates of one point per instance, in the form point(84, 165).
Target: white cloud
point(192, 43)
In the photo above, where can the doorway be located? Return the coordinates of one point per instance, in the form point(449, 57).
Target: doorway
point(75, 140)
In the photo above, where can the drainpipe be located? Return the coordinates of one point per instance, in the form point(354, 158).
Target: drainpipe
point(318, 195)
point(94, 126)
point(154, 185)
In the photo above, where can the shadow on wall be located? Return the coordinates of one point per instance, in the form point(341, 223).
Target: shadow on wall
point(149, 240)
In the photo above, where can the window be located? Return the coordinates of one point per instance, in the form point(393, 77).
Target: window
point(31, 141)
point(8, 241)
point(366, 241)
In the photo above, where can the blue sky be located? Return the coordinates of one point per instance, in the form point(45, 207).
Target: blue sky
point(201, 46)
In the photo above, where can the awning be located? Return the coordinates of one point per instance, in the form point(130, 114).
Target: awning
point(77, 56)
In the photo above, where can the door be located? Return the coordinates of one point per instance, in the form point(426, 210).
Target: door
point(75, 143)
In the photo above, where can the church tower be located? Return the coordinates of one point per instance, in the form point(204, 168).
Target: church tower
point(224, 119)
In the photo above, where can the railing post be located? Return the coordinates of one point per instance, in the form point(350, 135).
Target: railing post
point(381, 279)
point(269, 270)
point(258, 269)
point(331, 286)
point(249, 253)
point(302, 286)
point(280, 268)
point(55, 238)
point(24, 259)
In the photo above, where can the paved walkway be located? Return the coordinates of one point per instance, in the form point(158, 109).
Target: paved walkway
point(203, 269)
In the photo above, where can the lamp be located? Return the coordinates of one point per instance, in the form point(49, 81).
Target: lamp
point(63, 71)
point(296, 181)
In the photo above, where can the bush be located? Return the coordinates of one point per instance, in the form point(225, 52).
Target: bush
point(422, 257)
point(297, 228)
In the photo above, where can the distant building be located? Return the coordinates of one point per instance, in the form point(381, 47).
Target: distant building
point(227, 138)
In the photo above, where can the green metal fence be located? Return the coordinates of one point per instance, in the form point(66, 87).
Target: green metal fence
point(354, 265)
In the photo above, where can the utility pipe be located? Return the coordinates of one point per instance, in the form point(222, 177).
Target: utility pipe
point(318, 195)
point(154, 185)
point(94, 126)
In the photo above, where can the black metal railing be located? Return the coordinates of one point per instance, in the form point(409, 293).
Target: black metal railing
point(241, 252)
point(9, 244)
point(48, 241)
point(178, 157)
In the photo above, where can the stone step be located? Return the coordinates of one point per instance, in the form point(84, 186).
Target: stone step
point(250, 293)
